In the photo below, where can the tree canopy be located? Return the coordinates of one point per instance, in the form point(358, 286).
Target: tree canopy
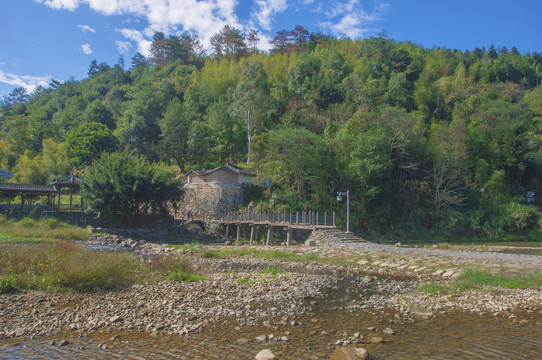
point(428, 141)
point(123, 183)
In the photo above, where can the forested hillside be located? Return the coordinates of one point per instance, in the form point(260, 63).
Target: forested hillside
point(430, 142)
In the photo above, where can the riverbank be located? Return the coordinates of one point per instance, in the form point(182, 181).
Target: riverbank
point(255, 291)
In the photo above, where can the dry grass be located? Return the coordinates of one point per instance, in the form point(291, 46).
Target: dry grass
point(62, 266)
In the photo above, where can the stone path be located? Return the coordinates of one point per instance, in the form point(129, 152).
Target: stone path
point(443, 263)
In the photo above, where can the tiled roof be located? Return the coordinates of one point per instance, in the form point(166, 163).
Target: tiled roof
point(229, 167)
point(70, 181)
point(28, 188)
point(4, 174)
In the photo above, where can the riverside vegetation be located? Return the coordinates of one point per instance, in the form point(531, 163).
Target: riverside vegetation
point(43, 255)
point(433, 144)
point(54, 288)
point(39, 257)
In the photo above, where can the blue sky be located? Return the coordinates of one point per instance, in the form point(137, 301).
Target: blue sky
point(44, 39)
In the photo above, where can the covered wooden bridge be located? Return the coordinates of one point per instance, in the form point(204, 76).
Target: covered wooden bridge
point(53, 192)
point(306, 220)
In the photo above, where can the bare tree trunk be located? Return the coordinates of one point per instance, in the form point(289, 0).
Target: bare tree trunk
point(249, 133)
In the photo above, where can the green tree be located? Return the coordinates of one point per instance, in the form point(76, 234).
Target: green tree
point(123, 183)
point(249, 99)
point(52, 163)
point(175, 126)
point(253, 38)
point(87, 142)
point(289, 158)
point(158, 49)
point(99, 113)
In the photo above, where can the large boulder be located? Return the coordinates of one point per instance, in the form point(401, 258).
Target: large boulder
point(265, 355)
point(350, 353)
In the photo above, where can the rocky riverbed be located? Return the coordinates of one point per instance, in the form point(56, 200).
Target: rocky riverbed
point(375, 277)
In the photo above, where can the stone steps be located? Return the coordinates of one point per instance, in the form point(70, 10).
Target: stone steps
point(337, 235)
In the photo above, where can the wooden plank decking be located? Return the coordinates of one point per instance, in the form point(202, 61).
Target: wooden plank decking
point(290, 221)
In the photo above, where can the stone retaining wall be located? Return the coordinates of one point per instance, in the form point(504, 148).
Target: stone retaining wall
point(210, 202)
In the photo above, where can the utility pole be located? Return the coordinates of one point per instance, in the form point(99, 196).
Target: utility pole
point(340, 195)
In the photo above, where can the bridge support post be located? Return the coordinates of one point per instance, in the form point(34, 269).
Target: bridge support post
point(289, 233)
point(269, 235)
point(227, 231)
point(238, 231)
point(253, 232)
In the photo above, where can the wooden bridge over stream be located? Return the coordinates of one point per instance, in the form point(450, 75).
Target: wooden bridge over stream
point(289, 221)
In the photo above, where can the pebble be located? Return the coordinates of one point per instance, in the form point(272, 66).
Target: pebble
point(169, 306)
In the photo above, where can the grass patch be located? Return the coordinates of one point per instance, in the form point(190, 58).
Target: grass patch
point(62, 266)
point(274, 254)
point(482, 277)
point(478, 278)
point(500, 243)
point(285, 256)
point(436, 288)
point(211, 254)
point(30, 230)
point(273, 270)
point(180, 275)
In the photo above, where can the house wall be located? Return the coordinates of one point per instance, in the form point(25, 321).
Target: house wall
point(219, 176)
point(245, 179)
point(210, 202)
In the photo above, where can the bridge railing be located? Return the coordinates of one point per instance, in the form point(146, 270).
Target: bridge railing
point(308, 218)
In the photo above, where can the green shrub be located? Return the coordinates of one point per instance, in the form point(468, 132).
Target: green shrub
point(180, 275)
point(273, 270)
point(211, 254)
point(27, 222)
point(7, 283)
point(522, 218)
point(535, 235)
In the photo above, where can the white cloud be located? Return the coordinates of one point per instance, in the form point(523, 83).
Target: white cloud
point(86, 28)
point(340, 8)
point(86, 48)
point(60, 4)
point(28, 82)
point(351, 19)
point(265, 42)
point(123, 46)
point(143, 46)
point(267, 9)
point(201, 17)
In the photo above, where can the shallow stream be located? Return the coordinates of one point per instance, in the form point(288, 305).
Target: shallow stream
point(454, 335)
